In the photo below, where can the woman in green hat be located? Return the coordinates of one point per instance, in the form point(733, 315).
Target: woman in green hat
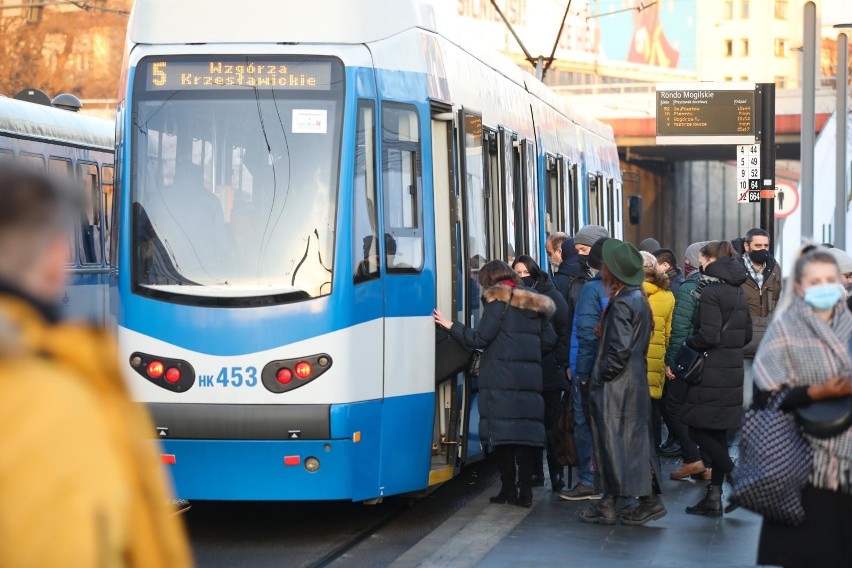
point(620, 402)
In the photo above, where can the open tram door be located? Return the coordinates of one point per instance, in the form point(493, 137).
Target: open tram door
point(462, 217)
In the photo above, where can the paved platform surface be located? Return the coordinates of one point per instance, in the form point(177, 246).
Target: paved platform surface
point(550, 534)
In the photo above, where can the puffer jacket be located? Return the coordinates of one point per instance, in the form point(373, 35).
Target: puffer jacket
point(683, 320)
point(662, 307)
point(716, 402)
point(511, 408)
point(574, 294)
point(80, 483)
point(594, 299)
point(762, 302)
point(555, 361)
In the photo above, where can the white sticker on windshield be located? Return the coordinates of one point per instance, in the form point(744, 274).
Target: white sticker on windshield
point(310, 121)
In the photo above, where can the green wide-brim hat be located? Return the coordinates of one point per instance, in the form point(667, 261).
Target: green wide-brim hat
point(623, 261)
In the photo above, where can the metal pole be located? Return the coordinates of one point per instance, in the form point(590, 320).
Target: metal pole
point(767, 159)
point(840, 118)
point(808, 127)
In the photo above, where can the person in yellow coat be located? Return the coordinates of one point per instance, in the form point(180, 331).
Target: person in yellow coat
point(80, 483)
point(662, 302)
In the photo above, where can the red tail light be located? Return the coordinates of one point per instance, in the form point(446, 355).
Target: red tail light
point(292, 460)
point(155, 369)
point(284, 376)
point(303, 370)
point(173, 375)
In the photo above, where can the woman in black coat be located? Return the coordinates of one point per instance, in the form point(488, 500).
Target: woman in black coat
point(554, 364)
point(513, 332)
point(723, 328)
point(620, 402)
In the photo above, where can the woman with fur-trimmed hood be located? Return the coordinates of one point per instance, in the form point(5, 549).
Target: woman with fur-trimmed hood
point(514, 330)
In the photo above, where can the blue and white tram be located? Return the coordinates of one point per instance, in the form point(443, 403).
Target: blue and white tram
point(80, 149)
point(299, 189)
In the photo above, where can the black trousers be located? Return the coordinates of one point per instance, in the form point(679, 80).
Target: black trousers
point(715, 444)
point(552, 403)
point(821, 540)
point(657, 421)
point(510, 455)
point(671, 410)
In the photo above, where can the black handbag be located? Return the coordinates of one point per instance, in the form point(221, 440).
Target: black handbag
point(826, 418)
point(690, 363)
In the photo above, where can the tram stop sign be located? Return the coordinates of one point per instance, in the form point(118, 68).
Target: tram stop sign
point(786, 199)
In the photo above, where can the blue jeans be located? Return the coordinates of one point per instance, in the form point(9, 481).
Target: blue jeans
point(582, 438)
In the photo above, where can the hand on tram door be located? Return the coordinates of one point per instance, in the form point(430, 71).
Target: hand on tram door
point(441, 320)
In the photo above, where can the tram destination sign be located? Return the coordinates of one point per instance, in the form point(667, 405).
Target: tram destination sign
point(706, 113)
point(222, 74)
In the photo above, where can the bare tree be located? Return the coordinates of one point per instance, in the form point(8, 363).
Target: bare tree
point(67, 51)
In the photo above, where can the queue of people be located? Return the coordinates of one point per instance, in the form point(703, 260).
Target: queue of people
point(622, 319)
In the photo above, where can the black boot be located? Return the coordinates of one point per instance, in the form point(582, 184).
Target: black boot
point(526, 456)
point(506, 464)
point(556, 480)
point(711, 505)
point(601, 513)
point(650, 508)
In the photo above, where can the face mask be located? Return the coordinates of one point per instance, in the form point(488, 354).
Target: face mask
point(688, 269)
point(584, 261)
point(760, 257)
point(823, 296)
point(848, 286)
point(528, 281)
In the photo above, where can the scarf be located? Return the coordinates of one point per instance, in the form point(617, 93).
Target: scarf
point(756, 275)
point(800, 349)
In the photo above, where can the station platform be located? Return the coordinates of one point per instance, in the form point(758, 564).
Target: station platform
point(551, 534)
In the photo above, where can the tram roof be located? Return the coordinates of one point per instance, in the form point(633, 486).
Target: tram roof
point(29, 120)
point(277, 21)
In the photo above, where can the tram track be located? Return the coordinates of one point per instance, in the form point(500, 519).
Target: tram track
point(396, 508)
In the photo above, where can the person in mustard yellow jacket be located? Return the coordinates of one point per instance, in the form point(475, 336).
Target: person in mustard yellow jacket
point(80, 484)
point(662, 302)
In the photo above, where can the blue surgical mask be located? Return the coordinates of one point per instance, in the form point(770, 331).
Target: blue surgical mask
point(823, 296)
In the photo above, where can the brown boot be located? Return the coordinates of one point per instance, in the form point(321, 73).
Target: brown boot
point(687, 469)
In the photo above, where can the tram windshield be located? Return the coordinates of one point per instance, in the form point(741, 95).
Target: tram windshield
point(234, 178)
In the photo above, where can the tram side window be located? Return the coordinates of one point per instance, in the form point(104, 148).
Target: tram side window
point(572, 188)
point(554, 221)
point(34, 161)
point(509, 191)
point(607, 196)
point(533, 241)
point(91, 219)
point(475, 210)
point(401, 171)
point(493, 195)
point(107, 186)
point(365, 245)
point(61, 168)
point(593, 201)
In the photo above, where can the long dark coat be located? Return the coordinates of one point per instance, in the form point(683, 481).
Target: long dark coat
point(620, 402)
point(716, 403)
point(511, 407)
point(554, 362)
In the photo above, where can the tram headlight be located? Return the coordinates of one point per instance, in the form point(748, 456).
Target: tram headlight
point(312, 464)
